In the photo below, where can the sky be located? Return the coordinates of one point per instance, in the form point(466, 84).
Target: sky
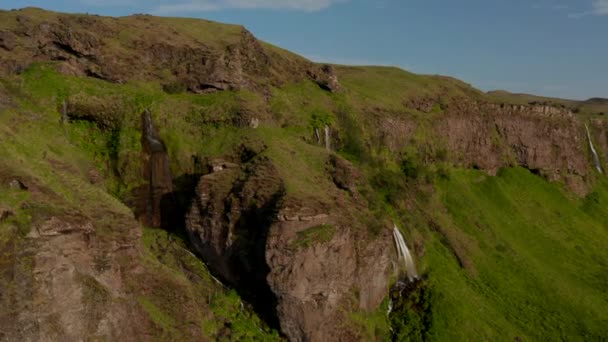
point(546, 47)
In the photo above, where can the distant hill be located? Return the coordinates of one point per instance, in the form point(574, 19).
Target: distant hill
point(591, 106)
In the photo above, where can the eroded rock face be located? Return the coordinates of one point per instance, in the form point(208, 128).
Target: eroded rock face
point(77, 279)
point(310, 263)
point(325, 77)
point(548, 140)
point(107, 48)
point(345, 270)
point(544, 139)
point(65, 282)
point(231, 215)
point(7, 40)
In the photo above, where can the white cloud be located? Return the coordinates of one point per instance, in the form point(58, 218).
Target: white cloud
point(598, 7)
point(213, 5)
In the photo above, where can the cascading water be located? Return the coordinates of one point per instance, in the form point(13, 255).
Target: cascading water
point(405, 257)
point(596, 158)
point(156, 169)
point(327, 140)
point(405, 261)
point(317, 136)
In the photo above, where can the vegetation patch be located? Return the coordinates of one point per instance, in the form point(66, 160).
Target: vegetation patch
point(313, 236)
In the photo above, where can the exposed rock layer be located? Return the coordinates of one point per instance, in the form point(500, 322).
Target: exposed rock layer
point(304, 260)
point(548, 140)
point(149, 48)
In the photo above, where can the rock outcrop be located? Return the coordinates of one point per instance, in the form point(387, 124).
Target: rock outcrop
point(307, 263)
point(550, 141)
point(326, 78)
point(546, 140)
point(109, 48)
point(67, 276)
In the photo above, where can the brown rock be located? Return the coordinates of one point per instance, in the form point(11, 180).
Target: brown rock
point(325, 77)
point(93, 46)
point(5, 213)
point(16, 184)
point(547, 140)
point(344, 174)
point(7, 40)
point(95, 177)
point(247, 231)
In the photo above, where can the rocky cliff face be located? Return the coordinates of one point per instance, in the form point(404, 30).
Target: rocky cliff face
point(305, 262)
point(109, 48)
point(547, 140)
point(66, 280)
point(550, 141)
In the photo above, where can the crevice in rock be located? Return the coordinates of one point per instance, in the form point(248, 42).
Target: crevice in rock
point(68, 49)
point(245, 215)
point(251, 266)
point(229, 221)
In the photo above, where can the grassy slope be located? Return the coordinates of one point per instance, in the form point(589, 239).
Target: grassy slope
point(538, 259)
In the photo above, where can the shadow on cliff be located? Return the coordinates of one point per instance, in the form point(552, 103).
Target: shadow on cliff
point(247, 255)
point(175, 205)
point(249, 258)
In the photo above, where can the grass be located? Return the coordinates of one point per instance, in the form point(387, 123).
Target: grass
point(391, 88)
point(203, 300)
point(535, 251)
point(313, 236)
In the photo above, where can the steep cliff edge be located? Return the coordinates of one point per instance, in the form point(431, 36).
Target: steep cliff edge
point(301, 260)
point(546, 140)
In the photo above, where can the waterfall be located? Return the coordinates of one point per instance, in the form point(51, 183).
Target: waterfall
point(317, 136)
point(327, 140)
point(596, 158)
point(157, 198)
point(404, 255)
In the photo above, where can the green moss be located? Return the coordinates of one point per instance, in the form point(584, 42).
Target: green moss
point(158, 317)
point(315, 235)
point(372, 326)
point(218, 311)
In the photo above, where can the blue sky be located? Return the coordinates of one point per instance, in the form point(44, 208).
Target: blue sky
point(546, 47)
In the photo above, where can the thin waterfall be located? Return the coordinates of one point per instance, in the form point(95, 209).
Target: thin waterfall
point(404, 254)
point(327, 140)
point(317, 136)
point(157, 171)
point(596, 158)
